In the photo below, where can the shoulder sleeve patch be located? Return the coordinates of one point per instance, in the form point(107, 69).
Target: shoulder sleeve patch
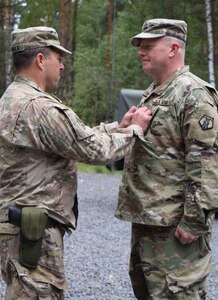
point(203, 124)
point(206, 122)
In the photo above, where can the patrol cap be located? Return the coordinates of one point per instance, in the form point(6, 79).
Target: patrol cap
point(156, 28)
point(35, 37)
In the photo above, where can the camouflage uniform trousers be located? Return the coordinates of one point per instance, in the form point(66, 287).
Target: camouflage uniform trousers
point(47, 281)
point(162, 268)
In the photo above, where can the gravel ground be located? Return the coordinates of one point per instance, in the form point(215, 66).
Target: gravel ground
point(97, 253)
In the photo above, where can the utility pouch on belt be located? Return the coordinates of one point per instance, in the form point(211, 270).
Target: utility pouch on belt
point(33, 224)
point(14, 215)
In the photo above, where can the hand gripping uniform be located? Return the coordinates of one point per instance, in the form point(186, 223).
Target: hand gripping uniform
point(40, 141)
point(172, 180)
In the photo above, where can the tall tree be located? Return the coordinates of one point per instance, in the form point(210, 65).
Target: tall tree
point(91, 101)
point(2, 52)
point(63, 22)
point(95, 72)
point(71, 84)
point(68, 19)
point(6, 23)
point(108, 53)
point(214, 9)
point(210, 39)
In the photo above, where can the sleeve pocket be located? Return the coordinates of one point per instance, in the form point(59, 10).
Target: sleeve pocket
point(81, 130)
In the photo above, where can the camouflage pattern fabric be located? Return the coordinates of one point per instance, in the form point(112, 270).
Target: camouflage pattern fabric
point(156, 28)
point(172, 178)
point(40, 141)
point(20, 290)
point(35, 37)
point(41, 283)
point(162, 268)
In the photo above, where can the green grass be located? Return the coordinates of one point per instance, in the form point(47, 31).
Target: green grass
point(95, 169)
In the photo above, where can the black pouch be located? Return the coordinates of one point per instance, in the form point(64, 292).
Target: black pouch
point(14, 215)
point(33, 224)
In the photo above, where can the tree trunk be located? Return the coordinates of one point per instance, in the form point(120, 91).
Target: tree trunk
point(65, 14)
point(210, 42)
point(170, 8)
point(214, 13)
point(63, 24)
point(72, 61)
point(108, 55)
point(69, 24)
point(7, 25)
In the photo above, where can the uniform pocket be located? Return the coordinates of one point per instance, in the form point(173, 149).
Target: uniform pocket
point(7, 233)
point(81, 130)
point(8, 229)
point(181, 279)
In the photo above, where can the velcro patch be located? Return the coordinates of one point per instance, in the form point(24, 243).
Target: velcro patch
point(206, 122)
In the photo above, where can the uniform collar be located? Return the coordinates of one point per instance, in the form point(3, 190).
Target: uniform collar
point(153, 89)
point(24, 80)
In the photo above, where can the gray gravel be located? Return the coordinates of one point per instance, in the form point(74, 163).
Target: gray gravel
point(97, 253)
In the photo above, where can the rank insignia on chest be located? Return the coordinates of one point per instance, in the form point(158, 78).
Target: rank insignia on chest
point(206, 122)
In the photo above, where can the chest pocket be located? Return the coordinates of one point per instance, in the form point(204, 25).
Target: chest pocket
point(164, 129)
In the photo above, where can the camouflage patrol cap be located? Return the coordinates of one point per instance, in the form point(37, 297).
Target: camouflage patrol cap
point(35, 37)
point(156, 28)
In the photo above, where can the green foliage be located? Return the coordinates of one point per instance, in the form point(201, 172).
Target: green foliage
point(91, 80)
point(128, 68)
point(92, 23)
point(39, 13)
point(97, 84)
point(89, 101)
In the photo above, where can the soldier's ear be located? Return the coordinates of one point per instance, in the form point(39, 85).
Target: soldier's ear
point(40, 61)
point(174, 47)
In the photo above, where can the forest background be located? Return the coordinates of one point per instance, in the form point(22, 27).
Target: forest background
point(98, 33)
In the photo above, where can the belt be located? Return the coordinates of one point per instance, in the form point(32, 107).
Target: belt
point(15, 218)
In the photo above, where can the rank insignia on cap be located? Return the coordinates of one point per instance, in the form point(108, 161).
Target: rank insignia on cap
point(206, 122)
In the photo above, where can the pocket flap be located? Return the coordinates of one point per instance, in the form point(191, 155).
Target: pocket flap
point(180, 279)
point(8, 229)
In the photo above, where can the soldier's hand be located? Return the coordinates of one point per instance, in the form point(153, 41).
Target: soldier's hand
point(142, 117)
point(185, 237)
point(126, 121)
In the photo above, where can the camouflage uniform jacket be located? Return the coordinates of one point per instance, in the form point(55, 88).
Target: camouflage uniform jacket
point(172, 179)
point(40, 140)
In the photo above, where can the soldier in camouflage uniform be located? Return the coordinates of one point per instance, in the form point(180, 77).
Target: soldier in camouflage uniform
point(169, 190)
point(40, 141)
